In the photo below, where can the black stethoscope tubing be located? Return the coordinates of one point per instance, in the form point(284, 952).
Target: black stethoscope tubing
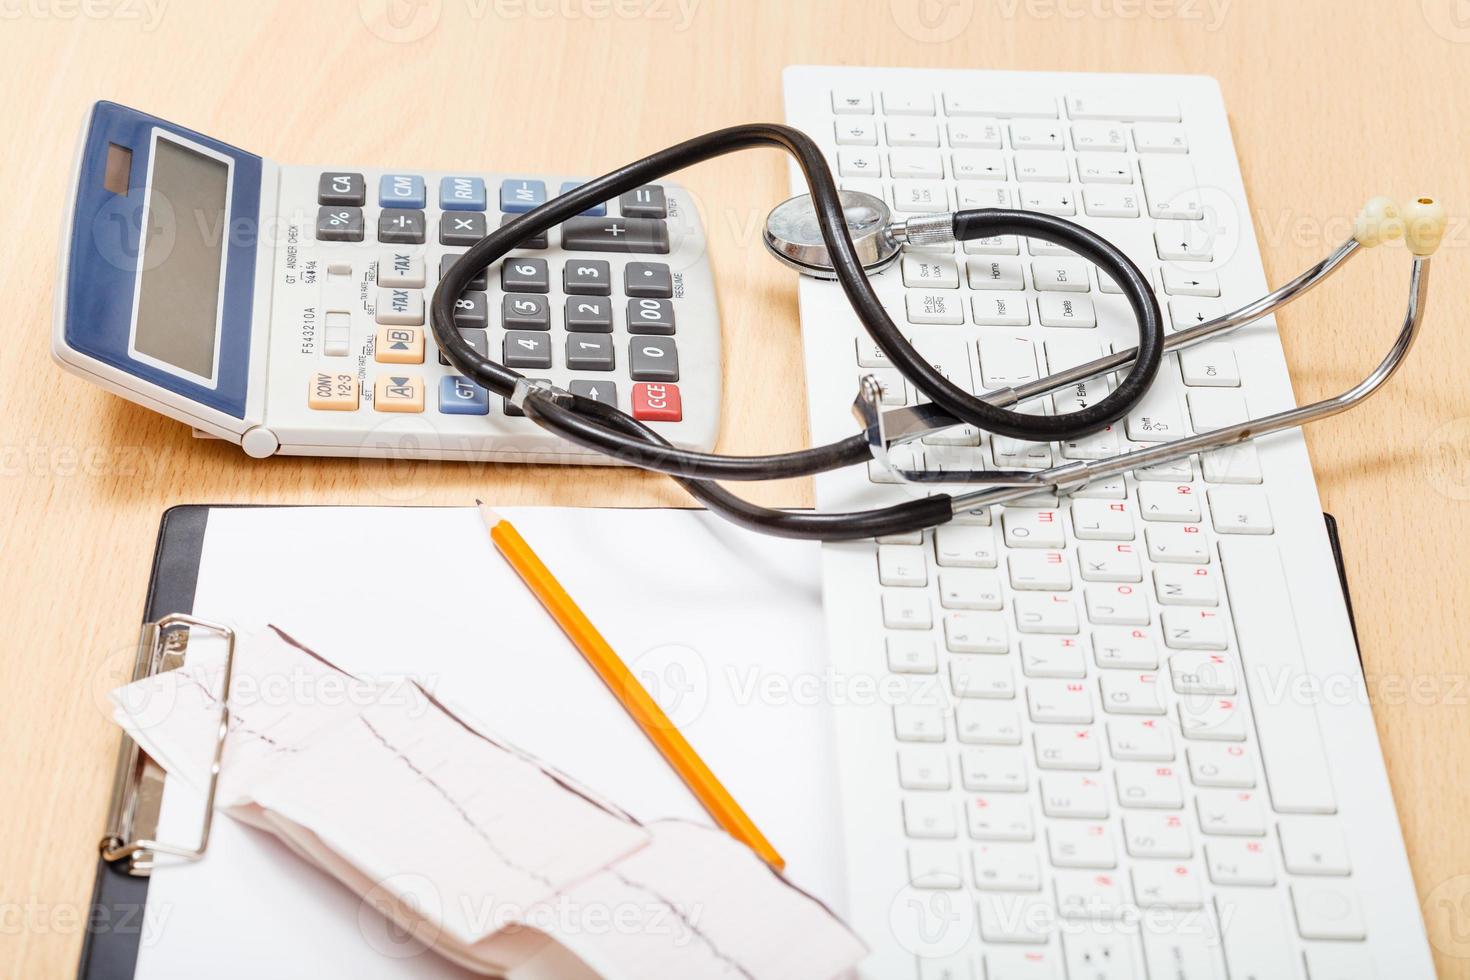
point(603, 428)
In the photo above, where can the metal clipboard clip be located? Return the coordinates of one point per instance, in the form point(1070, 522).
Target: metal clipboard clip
point(137, 788)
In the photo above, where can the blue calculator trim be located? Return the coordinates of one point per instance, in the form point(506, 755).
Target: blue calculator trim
point(102, 263)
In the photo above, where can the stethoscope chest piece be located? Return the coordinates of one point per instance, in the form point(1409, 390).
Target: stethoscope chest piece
point(794, 236)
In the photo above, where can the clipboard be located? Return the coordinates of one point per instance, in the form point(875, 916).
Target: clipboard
point(115, 930)
point(120, 889)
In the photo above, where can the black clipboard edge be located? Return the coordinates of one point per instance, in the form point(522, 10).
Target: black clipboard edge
point(1342, 581)
point(115, 920)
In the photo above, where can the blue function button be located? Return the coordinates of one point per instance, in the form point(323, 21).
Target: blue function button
point(401, 191)
point(461, 396)
point(596, 211)
point(461, 194)
point(520, 196)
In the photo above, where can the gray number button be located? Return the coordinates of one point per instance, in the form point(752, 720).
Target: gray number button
point(650, 316)
point(339, 225)
point(535, 241)
point(590, 352)
point(525, 276)
point(479, 282)
point(510, 409)
point(587, 277)
point(603, 391)
point(589, 314)
point(525, 313)
point(524, 349)
point(649, 280)
point(349, 189)
point(478, 339)
point(472, 310)
point(401, 226)
point(461, 227)
point(653, 359)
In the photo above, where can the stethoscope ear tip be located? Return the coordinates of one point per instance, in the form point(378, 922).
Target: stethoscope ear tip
point(1424, 225)
point(1378, 222)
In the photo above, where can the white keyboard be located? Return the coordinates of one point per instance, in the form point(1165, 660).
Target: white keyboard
point(1123, 734)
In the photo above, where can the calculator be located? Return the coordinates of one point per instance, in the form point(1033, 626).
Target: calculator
point(284, 308)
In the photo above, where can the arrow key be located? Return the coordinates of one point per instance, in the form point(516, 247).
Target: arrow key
point(1184, 241)
point(1190, 282)
point(603, 391)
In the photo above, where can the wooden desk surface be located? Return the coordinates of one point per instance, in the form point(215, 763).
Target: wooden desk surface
point(1331, 100)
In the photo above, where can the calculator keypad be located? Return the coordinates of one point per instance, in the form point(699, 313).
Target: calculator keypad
point(599, 316)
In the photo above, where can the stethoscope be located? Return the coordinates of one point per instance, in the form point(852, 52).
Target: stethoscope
point(845, 236)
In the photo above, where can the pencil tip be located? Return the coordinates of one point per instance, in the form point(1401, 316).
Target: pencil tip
point(479, 502)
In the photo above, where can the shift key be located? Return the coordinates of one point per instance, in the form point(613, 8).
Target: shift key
point(584, 234)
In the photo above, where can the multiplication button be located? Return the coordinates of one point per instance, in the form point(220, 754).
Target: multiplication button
point(461, 227)
point(648, 280)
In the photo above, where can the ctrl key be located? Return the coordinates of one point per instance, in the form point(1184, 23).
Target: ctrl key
point(332, 391)
point(657, 403)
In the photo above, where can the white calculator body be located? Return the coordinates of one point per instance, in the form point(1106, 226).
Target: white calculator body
point(284, 308)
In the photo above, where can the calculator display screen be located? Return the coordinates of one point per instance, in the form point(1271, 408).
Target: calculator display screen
point(183, 245)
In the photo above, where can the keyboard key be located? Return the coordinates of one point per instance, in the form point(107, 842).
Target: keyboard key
point(461, 194)
point(999, 817)
point(1096, 955)
point(974, 135)
point(855, 131)
point(1125, 693)
point(1240, 510)
point(1314, 846)
point(650, 316)
point(987, 273)
point(479, 340)
point(965, 546)
point(923, 767)
point(918, 723)
point(339, 224)
point(977, 165)
point(929, 817)
point(591, 352)
point(1159, 884)
point(1191, 629)
point(1156, 835)
point(1292, 751)
point(587, 277)
point(852, 102)
point(977, 676)
point(1050, 614)
point(934, 866)
point(349, 189)
point(1189, 282)
point(1073, 796)
point(908, 104)
point(1211, 719)
point(1059, 201)
point(1059, 703)
point(1176, 544)
point(1045, 656)
point(399, 345)
point(859, 163)
point(535, 241)
point(1210, 365)
point(1201, 673)
point(1176, 503)
point(523, 275)
point(1116, 605)
point(401, 270)
point(1081, 845)
point(1102, 562)
point(332, 391)
point(921, 164)
point(1221, 766)
point(1230, 813)
point(402, 191)
point(1119, 649)
point(992, 769)
point(1184, 949)
point(648, 280)
point(912, 132)
point(644, 202)
point(1000, 103)
point(1027, 135)
point(461, 396)
point(932, 308)
point(1065, 311)
point(933, 271)
point(1184, 241)
point(1032, 528)
point(976, 633)
point(583, 234)
point(1110, 202)
point(461, 227)
point(1160, 138)
point(1066, 748)
point(398, 393)
point(1099, 137)
point(902, 565)
point(472, 310)
point(527, 349)
point(1128, 108)
point(525, 312)
point(400, 307)
point(520, 196)
point(595, 211)
point(1046, 168)
point(602, 391)
point(1139, 740)
point(447, 260)
point(1240, 862)
point(1179, 585)
point(1000, 310)
point(911, 655)
point(1149, 787)
point(926, 196)
point(1171, 188)
point(586, 314)
point(653, 359)
point(1256, 937)
point(1066, 275)
point(1003, 868)
point(1327, 910)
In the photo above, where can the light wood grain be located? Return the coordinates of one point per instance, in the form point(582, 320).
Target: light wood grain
point(1330, 100)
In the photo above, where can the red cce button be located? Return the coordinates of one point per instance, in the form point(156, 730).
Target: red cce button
point(657, 403)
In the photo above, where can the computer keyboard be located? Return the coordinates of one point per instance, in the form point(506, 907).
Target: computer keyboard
point(1122, 733)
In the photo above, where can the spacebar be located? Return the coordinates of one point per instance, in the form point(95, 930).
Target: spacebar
point(1281, 691)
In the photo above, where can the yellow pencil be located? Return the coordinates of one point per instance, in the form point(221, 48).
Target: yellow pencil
point(626, 688)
